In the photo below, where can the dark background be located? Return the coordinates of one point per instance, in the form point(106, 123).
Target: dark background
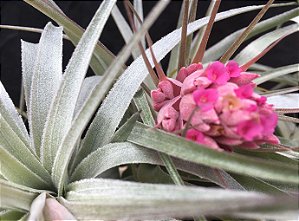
point(21, 14)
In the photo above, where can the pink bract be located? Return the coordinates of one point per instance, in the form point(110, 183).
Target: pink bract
point(218, 106)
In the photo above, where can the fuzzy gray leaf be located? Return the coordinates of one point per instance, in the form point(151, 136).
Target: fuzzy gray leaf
point(47, 73)
point(11, 116)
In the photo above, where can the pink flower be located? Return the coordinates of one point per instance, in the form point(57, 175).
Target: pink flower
point(217, 73)
point(233, 69)
point(200, 138)
point(205, 98)
point(217, 106)
point(167, 90)
point(245, 91)
point(250, 130)
point(168, 118)
point(185, 72)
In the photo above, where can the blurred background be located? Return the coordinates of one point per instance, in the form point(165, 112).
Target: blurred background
point(20, 14)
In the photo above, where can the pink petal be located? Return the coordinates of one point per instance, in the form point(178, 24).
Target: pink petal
point(183, 73)
point(205, 98)
point(194, 67)
point(189, 83)
point(245, 91)
point(157, 96)
point(233, 69)
point(244, 78)
point(200, 138)
point(250, 130)
point(217, 73)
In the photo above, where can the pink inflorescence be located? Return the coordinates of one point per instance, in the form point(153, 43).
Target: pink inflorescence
point(216, 107)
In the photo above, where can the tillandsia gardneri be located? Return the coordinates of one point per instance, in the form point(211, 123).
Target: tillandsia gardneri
point(124, 166)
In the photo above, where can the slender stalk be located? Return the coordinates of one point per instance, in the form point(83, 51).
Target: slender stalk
point(227, 55)
point(29, 29)
point(198, 38)
point(182, 55)
point(192, 17)
point(203, 44)
point(145, 59)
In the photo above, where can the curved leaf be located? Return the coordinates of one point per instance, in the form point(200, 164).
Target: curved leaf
point(101, 58)
point(181, 148)
point(285, 101)
point(149, 201)
point(14, 170)
point(277, 72)
point(36, 208)
point(47, 73)
point(62, 109)
point(15, 196)
point(11, 116)
point(15, 147)
point(117, 101)
point(87, 87)
point(116, 154)
point(263, 42)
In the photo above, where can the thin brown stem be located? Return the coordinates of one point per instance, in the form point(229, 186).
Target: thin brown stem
point(158, 68)
point(203, 44)
point(143, 54)
point(182, 54)
point(227, 55)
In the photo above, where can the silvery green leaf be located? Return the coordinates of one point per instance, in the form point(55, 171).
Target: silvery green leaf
point(220, 47)
point(62, 109)
point(117, 101)
point(277, 72)
point(263, 42)
point(11, 116)
point(15, 196)
point(47, 73)
point(284, 101)
point(142, 105)
point(123, 27)
point(88, 85)
point(101, 58)
point(36, 208)
point(116, 154)
point(65, 151)
point(151, 201)
point(28, 53)
point(15, 147)
point(259, 185)
point(14, 170)
point(179, 147)
point(124, 131)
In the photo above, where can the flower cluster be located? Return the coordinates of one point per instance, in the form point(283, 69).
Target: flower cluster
point(215, 106)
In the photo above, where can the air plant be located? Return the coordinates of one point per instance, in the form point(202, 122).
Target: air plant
point(199, 141)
